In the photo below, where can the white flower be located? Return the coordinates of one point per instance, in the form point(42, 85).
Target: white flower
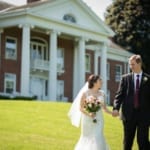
point(90, 105)
point(145, 79)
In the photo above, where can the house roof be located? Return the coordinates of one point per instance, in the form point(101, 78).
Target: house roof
point(39, 8)
point(122, 53)
point(4, 5)
point(115, 46)
point(47, 10)
point(28, 5)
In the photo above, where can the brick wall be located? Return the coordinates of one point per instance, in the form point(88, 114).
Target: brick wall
point(112, 84)
point(8, 65)
point(68, 46)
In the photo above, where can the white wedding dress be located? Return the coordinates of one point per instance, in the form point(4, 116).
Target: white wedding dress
point(92, 137)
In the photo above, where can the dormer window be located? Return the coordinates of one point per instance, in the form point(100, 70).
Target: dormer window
point(69, 18)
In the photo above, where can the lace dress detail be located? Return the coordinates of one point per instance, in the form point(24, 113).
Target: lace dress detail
point(92, 137)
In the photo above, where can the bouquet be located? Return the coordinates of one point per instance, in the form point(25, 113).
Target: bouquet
point(92, 105)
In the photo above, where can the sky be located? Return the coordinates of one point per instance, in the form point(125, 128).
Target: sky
point(98, 6)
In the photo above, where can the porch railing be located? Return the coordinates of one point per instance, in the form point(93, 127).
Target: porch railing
point(39, 64)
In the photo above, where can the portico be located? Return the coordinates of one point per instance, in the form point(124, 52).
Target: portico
point(49, 63)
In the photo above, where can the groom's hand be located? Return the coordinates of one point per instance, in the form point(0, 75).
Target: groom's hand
point(115, 113)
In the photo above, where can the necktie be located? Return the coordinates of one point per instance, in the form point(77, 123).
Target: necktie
point(136, 96)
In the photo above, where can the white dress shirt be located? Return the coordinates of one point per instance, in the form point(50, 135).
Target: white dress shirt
point(135, 77)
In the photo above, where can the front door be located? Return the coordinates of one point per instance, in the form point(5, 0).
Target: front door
point(37, 87)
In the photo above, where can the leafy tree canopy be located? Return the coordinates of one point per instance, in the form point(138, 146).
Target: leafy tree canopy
point(130, 20)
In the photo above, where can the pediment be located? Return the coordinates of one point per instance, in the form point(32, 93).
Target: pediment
point(74, 12)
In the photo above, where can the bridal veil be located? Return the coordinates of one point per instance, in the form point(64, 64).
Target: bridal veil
point(74, 112)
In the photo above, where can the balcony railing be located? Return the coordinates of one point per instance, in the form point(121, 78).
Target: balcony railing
point(44, 65)
point(40, 64)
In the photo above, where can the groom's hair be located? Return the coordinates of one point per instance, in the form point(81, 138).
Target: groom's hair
point(92, 79)
point(137, 58)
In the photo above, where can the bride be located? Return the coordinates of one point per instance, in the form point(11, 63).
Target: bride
point(92, 137)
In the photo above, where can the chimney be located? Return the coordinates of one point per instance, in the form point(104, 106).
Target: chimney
point(31, 1)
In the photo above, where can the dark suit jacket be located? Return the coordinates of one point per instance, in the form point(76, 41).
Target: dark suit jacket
point(125, 97)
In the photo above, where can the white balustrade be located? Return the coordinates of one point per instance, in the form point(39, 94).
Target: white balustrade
point(44, 65)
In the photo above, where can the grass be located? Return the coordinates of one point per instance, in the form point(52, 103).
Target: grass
point(34, 125)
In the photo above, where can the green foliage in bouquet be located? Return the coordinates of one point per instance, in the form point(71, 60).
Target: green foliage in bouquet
point(92, 105)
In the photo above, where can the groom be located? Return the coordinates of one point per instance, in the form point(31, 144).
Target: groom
point(134, 96)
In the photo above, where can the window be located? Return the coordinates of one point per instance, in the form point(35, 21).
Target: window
point(11, 48)
point(108, 97)
point(10, 83)
point(108, 71)
point(88, 63)
point(60, 90)
point(39, 49)
point(118, 72)
point(69, 18)
point(60, 59)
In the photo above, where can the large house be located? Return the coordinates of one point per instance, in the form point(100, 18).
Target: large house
point(49, 48)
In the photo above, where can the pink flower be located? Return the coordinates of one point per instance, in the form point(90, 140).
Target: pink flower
point(92, 105)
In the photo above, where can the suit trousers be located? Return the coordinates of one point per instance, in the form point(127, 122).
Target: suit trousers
point(140, 128)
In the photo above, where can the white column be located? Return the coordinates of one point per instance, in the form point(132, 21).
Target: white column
point(96, 55)
point(52, 84)
point(75, 71)
point(104, 67)
point(25, 61)
point(79, 65)
point(81, 60)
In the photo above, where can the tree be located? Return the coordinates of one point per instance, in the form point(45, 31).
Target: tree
point(130, 20)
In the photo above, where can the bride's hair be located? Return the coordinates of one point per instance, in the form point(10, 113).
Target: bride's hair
point(93, 79)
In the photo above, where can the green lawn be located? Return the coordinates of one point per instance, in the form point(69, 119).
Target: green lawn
point(35, 125)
